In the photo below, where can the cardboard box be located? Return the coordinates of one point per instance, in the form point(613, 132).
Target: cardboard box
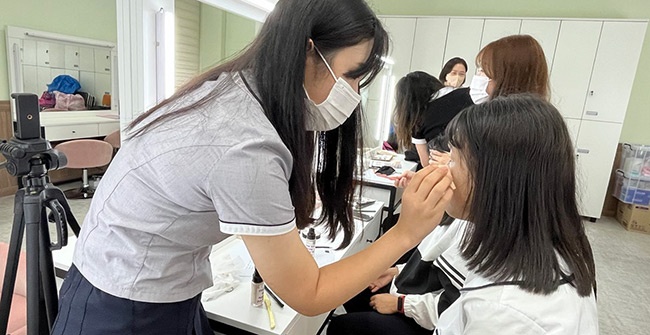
point(633, 217)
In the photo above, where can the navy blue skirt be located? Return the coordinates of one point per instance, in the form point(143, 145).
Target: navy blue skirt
point(84, 309)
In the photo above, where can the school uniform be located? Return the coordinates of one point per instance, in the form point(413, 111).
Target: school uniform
point(430, 282)
point(167, 197)
point(487, 307)
point(439, 112)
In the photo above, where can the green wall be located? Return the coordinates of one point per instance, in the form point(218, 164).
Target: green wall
point(636, 128)
point(223, 34)
point(94, 19)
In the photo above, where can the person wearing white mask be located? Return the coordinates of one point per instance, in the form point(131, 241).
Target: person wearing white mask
point(232, 152)
point(510, 65)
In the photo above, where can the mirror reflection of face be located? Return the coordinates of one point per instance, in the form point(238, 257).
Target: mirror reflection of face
point(459, 203)
point(318, 79)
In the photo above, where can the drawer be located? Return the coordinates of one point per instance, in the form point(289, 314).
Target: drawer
point(107, 128)
point(59, 133)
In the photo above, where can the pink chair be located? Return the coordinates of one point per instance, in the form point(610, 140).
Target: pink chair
point(85, 154)
point(114, 139)
point(18, 315)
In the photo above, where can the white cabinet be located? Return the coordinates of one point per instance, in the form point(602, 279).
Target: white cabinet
point(464, 40)
point(30, 79)
point(50, 54)
point(71, 57)
point(429, 45)
point(29, 52)
point(86, 59)
point(574, 128)
point(595, 149)
point(87, 82)
point(545, 32)
point(572, 65)
point(102, 85)
point(614, 70)
point(102, 61)
point(401, 31)
point(494, 29)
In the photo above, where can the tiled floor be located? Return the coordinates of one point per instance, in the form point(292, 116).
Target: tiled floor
point(622, 260)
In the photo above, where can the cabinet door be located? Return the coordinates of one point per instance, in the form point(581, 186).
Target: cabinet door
point(429, 45)
point(29, 52)
point(572, 65)
point(102, 85)
point(50, 54)
point(614, 69)
point(494, 29)
point(44, 77)
point(42, 54)
point(464, 40)
point(102, 61)
point(54, 72)
point(87, 82)
point(71, 57)
point(30, 80)
point(574, 128)
point(86, 59)
point(545, 32)
point(596, 149)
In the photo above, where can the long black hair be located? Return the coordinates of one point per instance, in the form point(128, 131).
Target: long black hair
point(412, 94)
point(522, 202)
point(276, 61)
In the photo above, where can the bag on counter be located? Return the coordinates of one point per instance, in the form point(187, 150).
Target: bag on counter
point(47, 100)
point(69, 102)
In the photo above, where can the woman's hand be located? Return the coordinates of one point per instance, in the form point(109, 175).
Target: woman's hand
point(438, 157)
point(424, 201)
point(383, 280)
point(384, 303)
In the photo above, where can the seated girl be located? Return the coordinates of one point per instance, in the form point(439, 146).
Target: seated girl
point(531, 268)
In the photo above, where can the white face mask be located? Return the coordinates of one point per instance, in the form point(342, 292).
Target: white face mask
point(478, 88)
point(336, 108)
point(454, 80)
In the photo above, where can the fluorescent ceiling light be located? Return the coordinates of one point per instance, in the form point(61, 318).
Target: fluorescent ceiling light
point(256, 10)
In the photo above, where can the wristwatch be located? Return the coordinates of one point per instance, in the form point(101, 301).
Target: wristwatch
point(400, 304)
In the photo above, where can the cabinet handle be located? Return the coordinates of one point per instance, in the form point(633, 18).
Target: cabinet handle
point(591, 93)
point(75, 65)
point(74, 131)
point(592, 113)
point(583, 151)
point(107, 69)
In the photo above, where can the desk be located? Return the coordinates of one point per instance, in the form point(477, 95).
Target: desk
point(383, 189)
point(234, 309)
point(61, 126)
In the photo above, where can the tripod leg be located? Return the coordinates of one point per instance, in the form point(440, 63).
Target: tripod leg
point(47, 273)
point(32, 208)
point(13, 257)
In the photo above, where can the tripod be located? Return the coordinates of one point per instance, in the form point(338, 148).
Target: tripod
point(30, 157)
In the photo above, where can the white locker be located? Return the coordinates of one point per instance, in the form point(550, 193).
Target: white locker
point(545, 32)
point(464, 40)
point(54, 72)
point(87, 82)
point(44, 78)
point(50, 54)
point(574, 128)
point(494, 29)
point(102, 61)
point(30, 80)
point(614, 70)
point(71, 57)
point(102, 85)
point(29, 52)
point(86, 59)
point(596, 147)
point(572, 65)
point(401, 31)
point(429, 45)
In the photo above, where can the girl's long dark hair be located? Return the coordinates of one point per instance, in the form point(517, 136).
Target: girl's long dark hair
point(522, 201)
point(276, 61)
point(412, 94)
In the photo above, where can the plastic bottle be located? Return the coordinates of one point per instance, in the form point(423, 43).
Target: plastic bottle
point(106, 99)
point(311, 240)
point(257, 290)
